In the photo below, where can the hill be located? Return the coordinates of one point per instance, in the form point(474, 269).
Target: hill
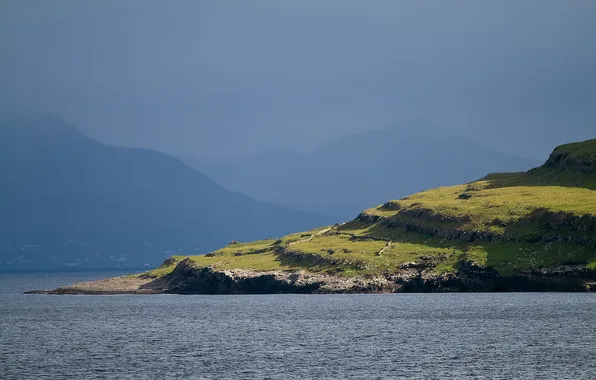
point(70, 202)
point(529, 231)
point(351, 173)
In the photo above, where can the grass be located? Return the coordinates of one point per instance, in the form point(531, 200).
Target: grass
point(164, 269)
point(510, 216)
point(351, 258)
point(543, 176)
point(244, 248)
point(260, 262)
point(488, 207)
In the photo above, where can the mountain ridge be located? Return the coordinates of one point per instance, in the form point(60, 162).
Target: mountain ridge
point(350, 173)
point(61, 186)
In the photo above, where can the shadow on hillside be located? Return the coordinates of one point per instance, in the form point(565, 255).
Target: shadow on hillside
point(541, 176)
point(541, 238)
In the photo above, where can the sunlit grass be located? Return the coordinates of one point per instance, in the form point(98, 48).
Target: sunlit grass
point(244, 248)
point(509, 213)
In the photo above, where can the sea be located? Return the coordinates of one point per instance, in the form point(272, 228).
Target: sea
point(384, 336)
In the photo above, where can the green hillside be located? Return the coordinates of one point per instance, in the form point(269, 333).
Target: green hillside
point(531, 231)
point(507, 222)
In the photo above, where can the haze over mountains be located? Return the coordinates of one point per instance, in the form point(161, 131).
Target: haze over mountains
point(357, 171)
point(67, 199)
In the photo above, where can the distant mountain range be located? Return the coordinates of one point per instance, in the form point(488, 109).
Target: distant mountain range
point(68, 200)
point(355, 171)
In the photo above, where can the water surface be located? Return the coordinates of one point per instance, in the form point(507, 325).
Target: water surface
point(500, 336)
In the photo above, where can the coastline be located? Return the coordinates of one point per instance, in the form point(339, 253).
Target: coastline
point(187, 278)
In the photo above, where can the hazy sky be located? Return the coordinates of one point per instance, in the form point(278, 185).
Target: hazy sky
point(233, 77)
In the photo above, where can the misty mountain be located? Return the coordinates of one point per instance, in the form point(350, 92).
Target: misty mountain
point(357, 171)
point(68, 199)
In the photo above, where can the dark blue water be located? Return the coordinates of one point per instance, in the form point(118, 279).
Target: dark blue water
point(425, 336)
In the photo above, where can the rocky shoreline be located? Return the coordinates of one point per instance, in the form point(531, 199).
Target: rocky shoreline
point(186, 278)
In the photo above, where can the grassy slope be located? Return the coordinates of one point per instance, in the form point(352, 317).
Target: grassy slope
point(509, 222)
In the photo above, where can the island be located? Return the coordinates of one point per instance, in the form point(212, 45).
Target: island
point(529, 231)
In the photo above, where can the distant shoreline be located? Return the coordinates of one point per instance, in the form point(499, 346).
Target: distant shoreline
point(79, 271)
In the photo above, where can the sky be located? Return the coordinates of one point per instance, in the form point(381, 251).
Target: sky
point(231, 78)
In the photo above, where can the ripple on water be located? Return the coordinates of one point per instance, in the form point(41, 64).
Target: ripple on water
point(422, 336)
